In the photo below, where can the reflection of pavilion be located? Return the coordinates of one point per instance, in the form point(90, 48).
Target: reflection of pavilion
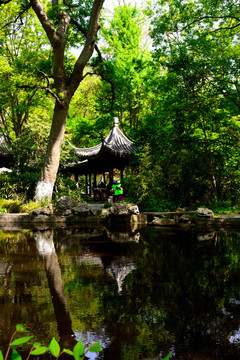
point(118, 268)
point(117, 236)
point(116, 265)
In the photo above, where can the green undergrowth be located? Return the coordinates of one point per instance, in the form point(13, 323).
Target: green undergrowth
point(79, 351)
point(17, 206)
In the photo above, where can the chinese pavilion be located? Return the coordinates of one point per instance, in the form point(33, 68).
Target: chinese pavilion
point(114, 152)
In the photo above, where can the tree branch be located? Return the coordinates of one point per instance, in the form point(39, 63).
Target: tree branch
point(216, 18)
point(87, 51)
point(57, 39)
point(4, 2)
point(84, 32)
point(46, 88)
point(108, 81)
point(70, 6)
point(46, 24)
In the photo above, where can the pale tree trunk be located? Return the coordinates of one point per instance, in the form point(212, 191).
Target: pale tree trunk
point(47, 179)
point(66, 86)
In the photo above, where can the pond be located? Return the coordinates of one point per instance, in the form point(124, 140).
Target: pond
point(141, 293)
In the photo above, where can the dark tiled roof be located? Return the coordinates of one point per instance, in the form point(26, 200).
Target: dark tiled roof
point(115, 142)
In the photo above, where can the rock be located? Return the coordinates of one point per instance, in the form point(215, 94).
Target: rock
point(46, 210)
point(205, 236)
point(81, 209)
point(123, 209)
point(133, 209)
point(65, 203)
point(184, 220)
point(204, 212)
point(67, 212)
point(163, 222)
point(95, 211)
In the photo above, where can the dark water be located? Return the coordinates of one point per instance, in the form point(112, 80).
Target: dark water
point(142, 294)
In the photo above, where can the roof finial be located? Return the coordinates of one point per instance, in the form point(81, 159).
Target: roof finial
point(115, 122)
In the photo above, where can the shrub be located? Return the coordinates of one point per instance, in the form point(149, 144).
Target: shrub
point(18, 186)
point(17, 206)
point(37, 349)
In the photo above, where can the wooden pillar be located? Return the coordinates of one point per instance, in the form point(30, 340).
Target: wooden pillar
point(111, 176)
point(86, 184)
point(76, 177)
point(95, 180)
point(121, 174)
point(90, 187)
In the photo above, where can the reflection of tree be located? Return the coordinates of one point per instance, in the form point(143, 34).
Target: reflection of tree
point(193, 281)
point(45, 245)
point(20, 273)
point(182, 295)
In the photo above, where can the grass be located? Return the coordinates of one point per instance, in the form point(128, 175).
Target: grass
point(17, 206)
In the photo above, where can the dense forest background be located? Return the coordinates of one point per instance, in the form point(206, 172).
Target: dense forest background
point(169, 70)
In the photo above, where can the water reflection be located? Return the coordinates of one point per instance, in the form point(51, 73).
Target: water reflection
point(46, 249)
point(141, 293)
point(119, 269)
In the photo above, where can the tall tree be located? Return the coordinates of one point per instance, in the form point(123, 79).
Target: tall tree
point(126, 64)
point(22, 49)
point(66, 24)
point(196, 120)
point(65, 84)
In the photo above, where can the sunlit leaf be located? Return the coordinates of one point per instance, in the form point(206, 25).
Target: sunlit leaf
point(36, 344)
point(78, 350)
point(69, 352)
point(15, 355)
point(96, 347)
point(1, 355)
point(21, 340)
point(20, 327)
point(40, 350)
point(54, 347)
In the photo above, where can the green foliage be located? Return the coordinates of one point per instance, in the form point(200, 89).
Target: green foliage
point(122, 91)
point(64, 186)
point(79, 352)
point(17, 206)
point(18, 185)
point(22, 55)
point(145, 186)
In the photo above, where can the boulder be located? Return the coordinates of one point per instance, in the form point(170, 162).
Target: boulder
point(121, 209)
point(46, 210)
point(184, 220)
point(95, 211)
point(163, 222)
point(204, 212)
point(81, 209)
point(205, 236)
point(65, 203)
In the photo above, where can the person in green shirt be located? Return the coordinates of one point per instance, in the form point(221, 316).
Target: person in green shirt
point(117, 191)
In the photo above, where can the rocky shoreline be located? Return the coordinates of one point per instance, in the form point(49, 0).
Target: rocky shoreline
point(69, 213)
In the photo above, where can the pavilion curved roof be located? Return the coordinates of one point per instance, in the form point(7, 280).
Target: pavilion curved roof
point(115, 143)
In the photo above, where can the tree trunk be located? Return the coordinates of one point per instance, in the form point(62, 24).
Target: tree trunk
point(66, 86)
point(47, 179)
